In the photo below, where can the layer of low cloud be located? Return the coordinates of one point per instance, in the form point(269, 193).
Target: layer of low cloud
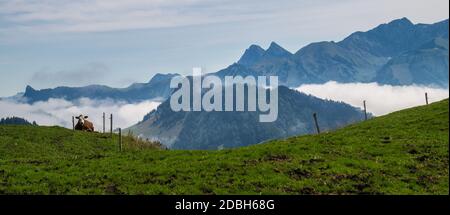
point(59, 111)
point(380, 99)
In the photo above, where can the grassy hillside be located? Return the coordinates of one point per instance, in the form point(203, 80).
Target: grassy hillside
point(402, 153)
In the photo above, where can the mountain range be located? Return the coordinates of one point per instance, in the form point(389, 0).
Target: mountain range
point(222, 129)
point(156, 89)
point(397, 53)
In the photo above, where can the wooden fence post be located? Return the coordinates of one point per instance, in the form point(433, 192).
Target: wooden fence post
point(73, 123)
point(103, 122)
point(111, 125)
point(365, 110)
point(315, 121)
point(120, 139)
point(426, 98)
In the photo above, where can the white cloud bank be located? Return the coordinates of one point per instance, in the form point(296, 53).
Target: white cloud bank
point(380, 99)
point(60, 111)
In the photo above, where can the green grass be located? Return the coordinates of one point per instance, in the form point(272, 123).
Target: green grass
point(401, 153)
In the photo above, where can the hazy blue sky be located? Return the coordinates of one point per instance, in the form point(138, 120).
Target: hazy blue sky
point(46, 43)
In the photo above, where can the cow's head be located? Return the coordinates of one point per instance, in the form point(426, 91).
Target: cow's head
point(81, 119)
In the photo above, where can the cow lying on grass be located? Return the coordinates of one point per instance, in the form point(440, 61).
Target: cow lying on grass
point(83, 124)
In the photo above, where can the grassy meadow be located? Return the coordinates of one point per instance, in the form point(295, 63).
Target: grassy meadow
point(405, 152)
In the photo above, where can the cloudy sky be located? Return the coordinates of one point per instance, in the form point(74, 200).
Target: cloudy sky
point(46, 43)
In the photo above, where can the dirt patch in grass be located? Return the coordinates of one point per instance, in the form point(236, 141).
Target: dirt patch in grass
point(277, 158)
point(299, 174)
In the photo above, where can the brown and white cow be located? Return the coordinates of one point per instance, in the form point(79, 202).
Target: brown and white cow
point(83, 124)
